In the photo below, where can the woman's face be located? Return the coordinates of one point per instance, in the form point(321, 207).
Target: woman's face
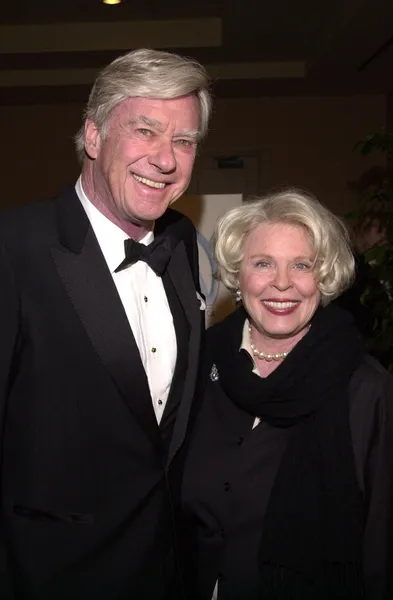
point(277, 281)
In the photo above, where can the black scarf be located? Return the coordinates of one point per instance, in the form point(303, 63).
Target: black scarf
point(312, 539)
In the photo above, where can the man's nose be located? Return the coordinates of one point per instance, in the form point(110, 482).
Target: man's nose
point(163, 156)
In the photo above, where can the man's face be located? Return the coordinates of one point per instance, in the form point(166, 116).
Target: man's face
point(145, 161)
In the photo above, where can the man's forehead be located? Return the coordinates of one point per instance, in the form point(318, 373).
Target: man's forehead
point(156, 113)
point(144, 104)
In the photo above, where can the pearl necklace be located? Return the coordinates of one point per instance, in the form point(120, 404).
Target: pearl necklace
point(265, 355)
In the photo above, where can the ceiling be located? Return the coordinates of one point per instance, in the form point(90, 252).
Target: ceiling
point(250, 47)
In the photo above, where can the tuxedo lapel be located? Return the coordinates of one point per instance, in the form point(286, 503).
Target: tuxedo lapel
point(181, 278)
point(89, 284)
point(182, 330)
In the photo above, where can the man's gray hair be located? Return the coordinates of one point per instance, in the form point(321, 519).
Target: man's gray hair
point(144, 73)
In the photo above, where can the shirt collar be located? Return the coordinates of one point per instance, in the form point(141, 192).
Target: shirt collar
point(110, 237)
point(245, 345)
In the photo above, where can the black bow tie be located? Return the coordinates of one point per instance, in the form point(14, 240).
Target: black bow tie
point(156, 254)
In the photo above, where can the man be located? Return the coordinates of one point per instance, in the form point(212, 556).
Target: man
point(99, 345)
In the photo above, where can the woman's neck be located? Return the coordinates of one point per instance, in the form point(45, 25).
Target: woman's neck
point(275, 348)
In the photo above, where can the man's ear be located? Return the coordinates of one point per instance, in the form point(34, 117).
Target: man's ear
point(92, 139)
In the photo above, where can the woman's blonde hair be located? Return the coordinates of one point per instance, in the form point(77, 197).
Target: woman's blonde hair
point(334, 265)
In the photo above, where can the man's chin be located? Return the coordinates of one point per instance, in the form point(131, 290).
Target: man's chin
point(142, 221)
point(145, 213)
point(144, 218)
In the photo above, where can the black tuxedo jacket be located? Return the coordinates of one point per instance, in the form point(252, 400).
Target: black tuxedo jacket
point(85, 469)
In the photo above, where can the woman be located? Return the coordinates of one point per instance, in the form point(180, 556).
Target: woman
point(287, 492)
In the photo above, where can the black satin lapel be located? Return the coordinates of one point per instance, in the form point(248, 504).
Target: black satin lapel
point(93, 293)
point(182, 330)
point(180, 274)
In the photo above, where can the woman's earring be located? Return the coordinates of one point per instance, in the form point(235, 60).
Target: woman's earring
point(238, 296)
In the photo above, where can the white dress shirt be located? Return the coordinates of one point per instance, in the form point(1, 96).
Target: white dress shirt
point(145, 303)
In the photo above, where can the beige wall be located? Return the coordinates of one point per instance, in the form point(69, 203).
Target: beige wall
point(301, 141)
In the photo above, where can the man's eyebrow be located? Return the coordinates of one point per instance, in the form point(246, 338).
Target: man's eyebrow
point(148, 121)
point(194, 134)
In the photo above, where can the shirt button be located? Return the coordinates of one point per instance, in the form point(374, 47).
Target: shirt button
point(227, 486)
point(240, 440)
point(154, 350)
point(160, 402)
point(145, 298)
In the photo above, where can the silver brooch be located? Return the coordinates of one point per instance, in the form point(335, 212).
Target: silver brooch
point(214, 376)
